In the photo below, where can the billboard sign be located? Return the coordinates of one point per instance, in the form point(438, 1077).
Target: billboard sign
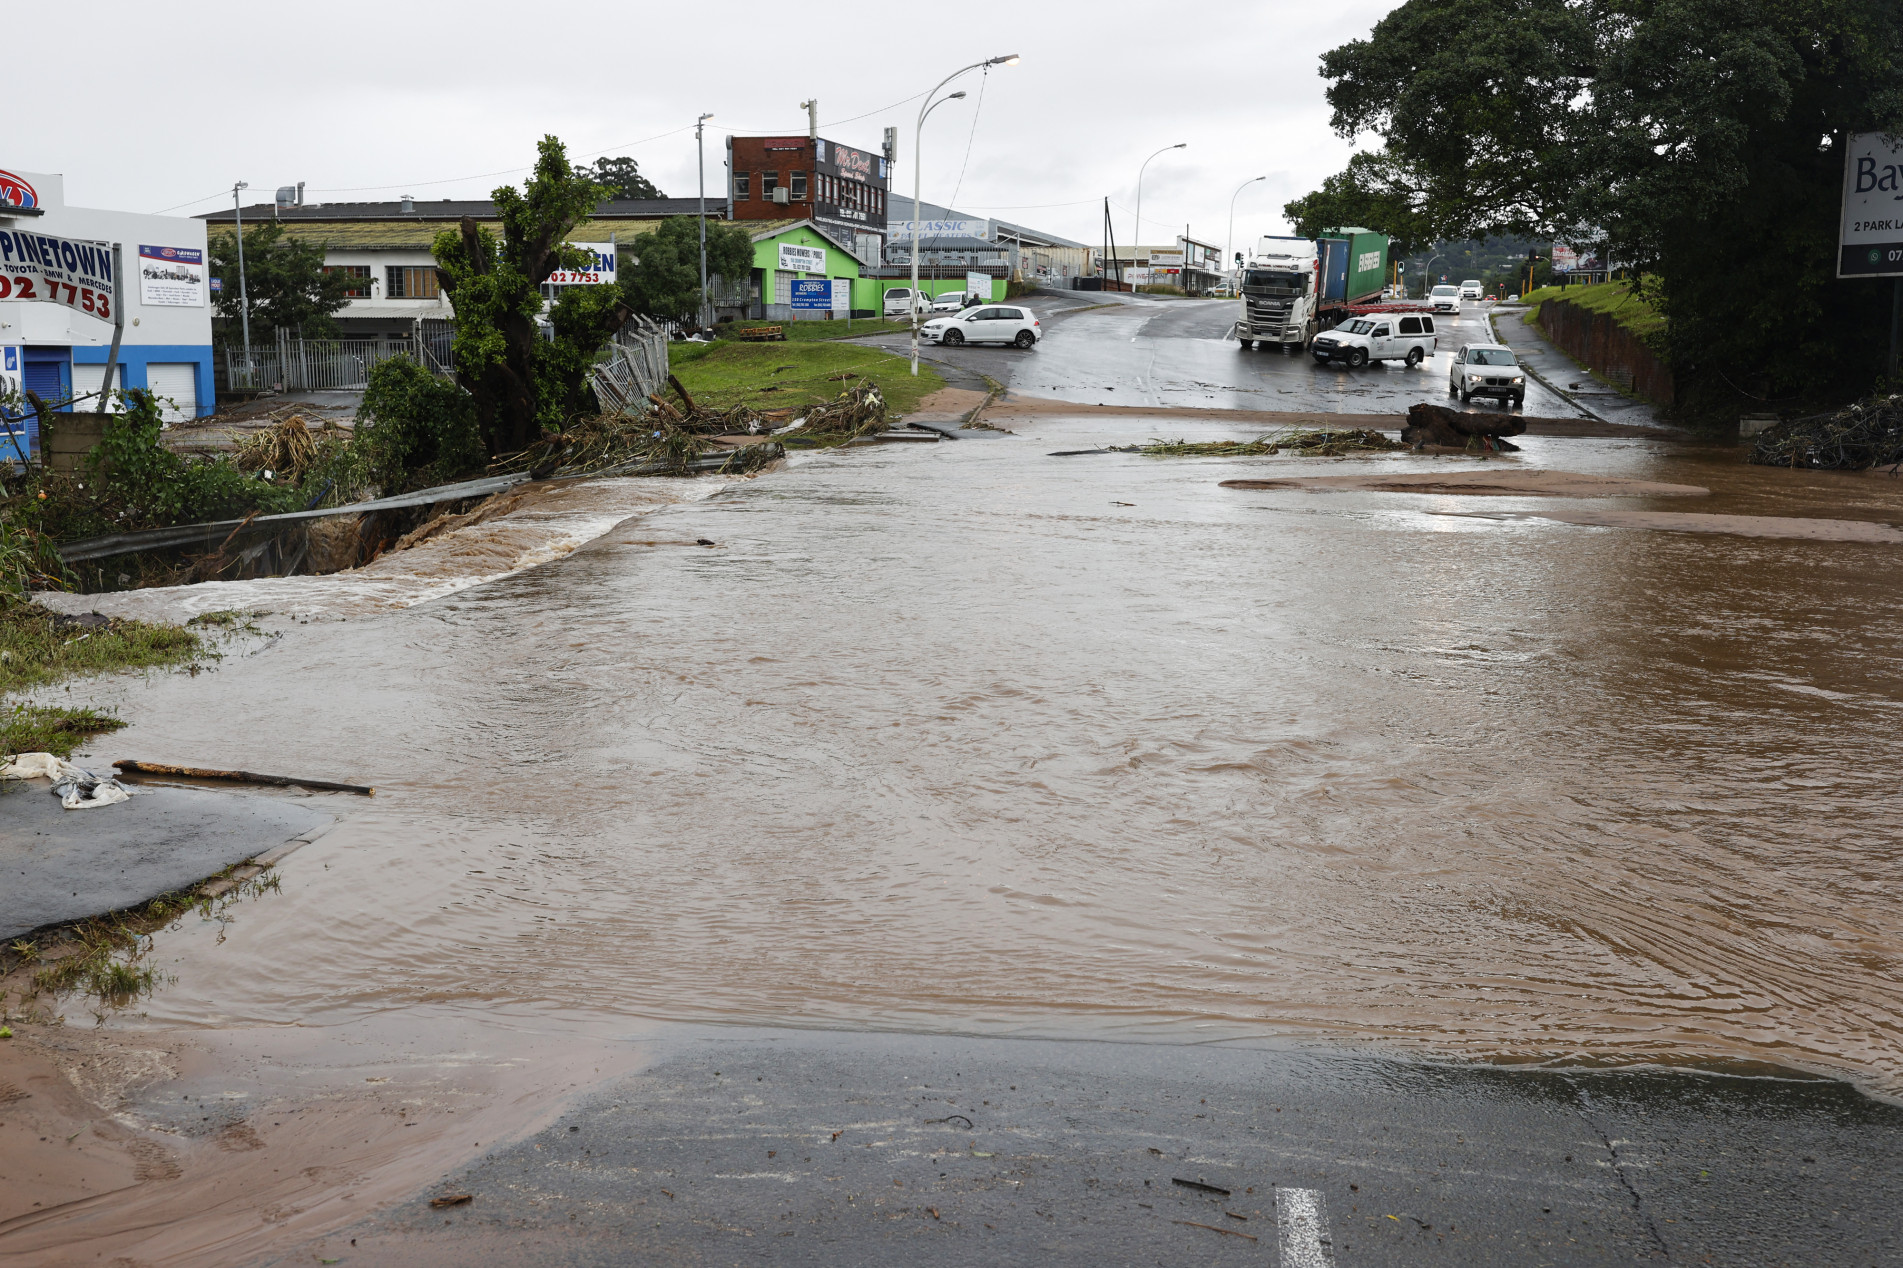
point(811, 294)
point(599, 272)
point(855, 163)
point(795, 258)
point(901, 230)
point(172, 277)
point(65, 271)
point(842, 295)
point(1870, 242)
point(17, 191)
point(979, 284)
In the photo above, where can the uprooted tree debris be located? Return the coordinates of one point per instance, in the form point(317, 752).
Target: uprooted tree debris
point(1443, 428)
point(1306, 442)
point(1855, 438)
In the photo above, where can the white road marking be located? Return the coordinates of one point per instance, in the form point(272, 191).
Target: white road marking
point(1301, 1221)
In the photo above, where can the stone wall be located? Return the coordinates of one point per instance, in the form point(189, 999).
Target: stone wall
point(1599, 342)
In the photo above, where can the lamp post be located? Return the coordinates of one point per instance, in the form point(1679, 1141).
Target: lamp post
point(701, 152)
point(1138, 239)
point(918, 167)
point(244, 301)
point(1229, 244)
point(1427, 275)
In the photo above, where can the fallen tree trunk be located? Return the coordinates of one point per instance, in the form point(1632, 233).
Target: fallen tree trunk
point(1437, 425)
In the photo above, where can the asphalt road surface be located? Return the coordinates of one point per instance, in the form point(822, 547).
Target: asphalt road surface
point(1113, 349)
point(750, 1146)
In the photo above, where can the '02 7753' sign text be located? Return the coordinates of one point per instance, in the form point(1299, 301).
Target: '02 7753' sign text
point(39, 266)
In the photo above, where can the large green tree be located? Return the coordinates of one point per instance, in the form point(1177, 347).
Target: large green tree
point(1697, 141)
point(666, 282)
point(523, 384)
point(284, 281)
point(622, 177)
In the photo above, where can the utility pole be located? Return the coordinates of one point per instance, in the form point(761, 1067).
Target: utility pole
point(119, 324)
point(244, 299)
point(700, 149)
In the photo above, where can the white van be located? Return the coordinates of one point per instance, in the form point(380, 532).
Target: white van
point(899, 302)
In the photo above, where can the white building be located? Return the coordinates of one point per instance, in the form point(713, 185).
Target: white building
point(60, 352)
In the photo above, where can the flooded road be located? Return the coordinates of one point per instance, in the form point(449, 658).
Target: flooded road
point(969, 737)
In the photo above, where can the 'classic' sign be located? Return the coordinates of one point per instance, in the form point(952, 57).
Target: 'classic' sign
point(59, 270)
point(1870, 244)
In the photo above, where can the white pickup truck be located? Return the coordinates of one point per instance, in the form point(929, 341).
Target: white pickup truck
point(1405, 337)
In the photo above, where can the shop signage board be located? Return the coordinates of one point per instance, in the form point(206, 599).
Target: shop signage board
point(171, 277)
point(1870, 242)
point(69, 271)
point(600, 272)
point(17, 191)
point(842, 295)
point(795, 258)
point(901, 230)
point(812, 294)
point(979, 284)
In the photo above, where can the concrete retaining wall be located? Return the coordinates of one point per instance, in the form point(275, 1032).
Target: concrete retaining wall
point(1599, 342)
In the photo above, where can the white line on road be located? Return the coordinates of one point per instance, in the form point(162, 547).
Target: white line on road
point(1302, 1224)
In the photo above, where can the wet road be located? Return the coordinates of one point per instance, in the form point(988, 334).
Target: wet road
point(1111, 349)
point(964, 737)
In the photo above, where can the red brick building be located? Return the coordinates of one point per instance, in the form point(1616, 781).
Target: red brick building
point(840, 188)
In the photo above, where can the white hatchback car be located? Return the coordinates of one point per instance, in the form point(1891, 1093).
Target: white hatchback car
point(1472, 289)
point(1487, 369)
point(988, 323)
point(1446, 299)
point(952, 301)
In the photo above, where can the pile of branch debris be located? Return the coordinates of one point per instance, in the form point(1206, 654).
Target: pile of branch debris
point(1867, 434)
point(1305, 442)
point(288, 448)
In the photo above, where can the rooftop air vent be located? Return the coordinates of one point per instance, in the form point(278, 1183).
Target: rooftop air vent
point(409, 202)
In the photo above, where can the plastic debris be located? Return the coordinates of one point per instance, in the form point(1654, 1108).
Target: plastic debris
point(77, 788)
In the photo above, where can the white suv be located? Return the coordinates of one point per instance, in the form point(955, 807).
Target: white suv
point(1472, 289)
point(1408, 337)
point(899, 302)
point(1446, 299)
point(1487, 369)
point(991, 323)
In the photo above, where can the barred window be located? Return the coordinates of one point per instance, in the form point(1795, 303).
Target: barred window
point(410, 282)
point(353, 270)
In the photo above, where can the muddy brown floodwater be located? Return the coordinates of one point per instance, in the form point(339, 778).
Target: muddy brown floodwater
point(968, 737)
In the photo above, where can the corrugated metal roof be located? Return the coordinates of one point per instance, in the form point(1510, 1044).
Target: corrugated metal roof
point(456, 209)
point(361, 235)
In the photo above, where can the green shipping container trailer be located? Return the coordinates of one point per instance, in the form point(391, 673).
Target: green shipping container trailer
point(1355, 267)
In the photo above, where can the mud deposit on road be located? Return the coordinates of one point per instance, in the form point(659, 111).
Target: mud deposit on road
point(966, 737)
point(1493, 481)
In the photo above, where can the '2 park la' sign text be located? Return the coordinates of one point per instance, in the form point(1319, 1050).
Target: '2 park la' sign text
point(1871, 240)
point(58, 270)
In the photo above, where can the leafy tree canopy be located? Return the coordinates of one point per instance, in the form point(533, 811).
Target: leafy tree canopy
point(284, 279)
point(1698, 141)
point(666, 283)
point(521, 383)
point(622, 176)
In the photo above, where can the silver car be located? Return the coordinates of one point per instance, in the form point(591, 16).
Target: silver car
point(1487, 369)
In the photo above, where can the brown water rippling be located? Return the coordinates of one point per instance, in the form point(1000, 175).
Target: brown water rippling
point(947, 737)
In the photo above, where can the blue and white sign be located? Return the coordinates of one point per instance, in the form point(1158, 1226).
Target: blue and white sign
point(812, 294)
point(600, 272)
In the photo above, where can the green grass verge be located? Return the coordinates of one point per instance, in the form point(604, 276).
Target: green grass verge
point(1631, 311)
point(819, 331)
point(29, 728)
point(38, 647)
point(780, 375)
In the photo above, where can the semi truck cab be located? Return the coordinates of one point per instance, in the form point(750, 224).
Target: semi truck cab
point(1278, 301)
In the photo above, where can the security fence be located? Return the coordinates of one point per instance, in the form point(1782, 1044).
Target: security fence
point(296, 364)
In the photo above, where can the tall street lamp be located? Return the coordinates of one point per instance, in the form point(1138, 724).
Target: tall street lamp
point(701, 149)
point(244, 301)
point(918, 167)
point(1135, 241)
point(1230, 247)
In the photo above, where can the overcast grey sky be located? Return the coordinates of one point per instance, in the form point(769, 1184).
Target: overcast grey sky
point(172, 102)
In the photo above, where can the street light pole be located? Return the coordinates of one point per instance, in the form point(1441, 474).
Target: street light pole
point(918, 168)
point(701, 150)
point(1229, 243)
point(1138, 239)
point(244, 300)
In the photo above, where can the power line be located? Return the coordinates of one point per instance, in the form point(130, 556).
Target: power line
point(971, 136)
point(190, 201)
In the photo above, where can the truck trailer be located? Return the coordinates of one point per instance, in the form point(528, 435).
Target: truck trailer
point(1293, 288)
